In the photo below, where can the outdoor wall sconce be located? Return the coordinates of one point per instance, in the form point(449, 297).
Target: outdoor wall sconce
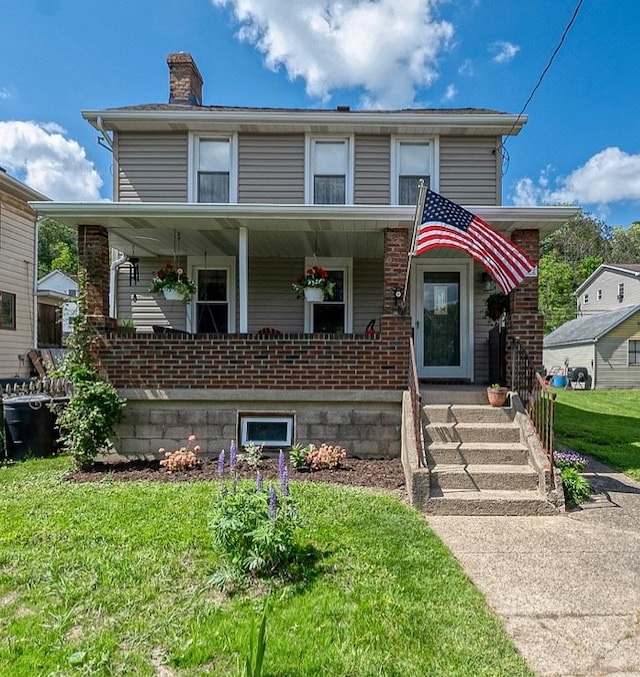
point(487, 282)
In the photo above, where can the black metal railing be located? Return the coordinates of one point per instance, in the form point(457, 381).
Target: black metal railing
point(416, 402)
point(538, 400)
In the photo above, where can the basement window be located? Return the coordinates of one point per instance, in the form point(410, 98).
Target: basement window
point(267, 430)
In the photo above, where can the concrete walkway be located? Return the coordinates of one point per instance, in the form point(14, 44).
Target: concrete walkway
point(567, 588)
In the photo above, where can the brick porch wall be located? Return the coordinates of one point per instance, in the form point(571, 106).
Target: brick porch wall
point(288, 362)
point(525, 320)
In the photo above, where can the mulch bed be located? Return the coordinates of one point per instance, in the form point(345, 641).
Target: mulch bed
point(375, 474)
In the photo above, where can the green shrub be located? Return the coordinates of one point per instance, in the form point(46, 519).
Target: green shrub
point(576, 487)
point(253, 527)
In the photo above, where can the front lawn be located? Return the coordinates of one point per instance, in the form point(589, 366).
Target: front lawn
point(602, 423)
point(114, 579)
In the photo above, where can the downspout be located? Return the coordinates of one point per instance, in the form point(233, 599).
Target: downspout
point(113, 272)
point(103, 131)
point(34, 329)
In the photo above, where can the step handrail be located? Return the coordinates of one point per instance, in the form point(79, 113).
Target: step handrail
point(416, 402)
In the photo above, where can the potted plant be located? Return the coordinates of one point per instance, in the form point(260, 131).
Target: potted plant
point(495, 305)
point(314, 284)
point(173, 283)
point(497, 394)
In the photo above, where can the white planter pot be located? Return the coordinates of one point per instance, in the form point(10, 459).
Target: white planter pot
point(172, 294)
point(313, 294)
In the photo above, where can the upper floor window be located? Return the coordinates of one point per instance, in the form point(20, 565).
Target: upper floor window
point(329, 171)
point(213, 169)
point(621, 291)
point(412, 160)
point(634, 352)
point(599, 294)
point(7, 310)
point(585, 298)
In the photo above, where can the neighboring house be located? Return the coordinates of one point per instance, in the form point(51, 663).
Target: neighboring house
point(607, 344)
point(56, 293)
point(17, 276)
point(246, 199)
point(609, 287)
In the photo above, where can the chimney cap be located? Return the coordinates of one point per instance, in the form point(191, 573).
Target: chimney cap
point(343, 108)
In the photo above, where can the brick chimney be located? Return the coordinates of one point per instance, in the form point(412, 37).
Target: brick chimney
point(185, 81)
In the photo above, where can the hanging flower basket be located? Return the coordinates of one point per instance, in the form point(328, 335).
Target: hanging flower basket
point(172, 283)
point(313, 294)
point(314, 284)
point(172, 294)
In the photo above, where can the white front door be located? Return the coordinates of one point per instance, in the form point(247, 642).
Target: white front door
point(443, 318)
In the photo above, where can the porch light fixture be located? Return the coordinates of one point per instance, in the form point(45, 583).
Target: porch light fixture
point(488, 283)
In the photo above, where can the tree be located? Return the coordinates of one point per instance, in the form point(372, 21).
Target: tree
point(57, 248)
point(581, 237)
point(625, 244)
point(556, 282)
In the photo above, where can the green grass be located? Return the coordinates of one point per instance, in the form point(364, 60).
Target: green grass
point(113, 579)
point(602, 423)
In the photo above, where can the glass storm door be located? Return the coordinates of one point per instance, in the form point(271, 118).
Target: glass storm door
point(442, 327)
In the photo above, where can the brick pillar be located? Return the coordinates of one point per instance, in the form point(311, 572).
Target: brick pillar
point(396, 258)
point(524, 320)
point(93, 259)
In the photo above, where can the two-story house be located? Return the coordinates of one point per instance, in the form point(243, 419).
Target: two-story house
point(604, 340)
point(17, 276)
point(245, 200)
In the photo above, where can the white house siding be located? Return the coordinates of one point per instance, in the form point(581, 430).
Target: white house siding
point(469, 170)
point(608, 281)
point(372, 168)
point(613, 369)
point(152, 167)
point(581, 355)
point(17, 236)
point(271, 168)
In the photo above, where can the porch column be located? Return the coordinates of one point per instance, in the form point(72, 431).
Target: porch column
point(93, 259)
point(396, 258)
point(525, 320)
point(243, 274)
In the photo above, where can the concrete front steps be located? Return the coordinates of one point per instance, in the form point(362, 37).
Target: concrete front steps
point(477, 461)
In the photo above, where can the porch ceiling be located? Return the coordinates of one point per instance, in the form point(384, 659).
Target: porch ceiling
point(274, 230)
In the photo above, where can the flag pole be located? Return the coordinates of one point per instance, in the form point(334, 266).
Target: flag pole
point(422, 193)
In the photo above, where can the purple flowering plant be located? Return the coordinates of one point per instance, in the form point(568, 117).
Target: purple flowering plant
point(253, 527)
point(570, 459)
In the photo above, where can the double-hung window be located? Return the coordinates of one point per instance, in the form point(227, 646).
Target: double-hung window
point(213, 307)
point(412, 160)
point(213, 175)
point(634, 352)
point(329, 171)
point(7, 310)
point(334, 314)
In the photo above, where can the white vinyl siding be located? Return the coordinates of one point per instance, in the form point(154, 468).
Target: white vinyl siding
point(151, 167)
point(606, 286)
point(470, 170)
point(271, 168)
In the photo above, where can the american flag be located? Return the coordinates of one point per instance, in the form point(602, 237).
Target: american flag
point(446, 224)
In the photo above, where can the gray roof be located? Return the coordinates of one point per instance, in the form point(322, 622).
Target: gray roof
point(589, 328)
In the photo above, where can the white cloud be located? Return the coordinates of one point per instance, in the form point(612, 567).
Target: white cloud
point(466, 68)
point(42, 157)
point(449, 93)
point(608, 177)
point(5, 93)
point(503, 51)
point(387, 47)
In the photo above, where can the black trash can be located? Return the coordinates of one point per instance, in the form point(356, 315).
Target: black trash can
point(30, 426)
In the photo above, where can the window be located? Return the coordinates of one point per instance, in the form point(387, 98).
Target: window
point(213, 165)
point(585, 298)
point(7, 310)
point(213, 308)
point(634, 352)
point(412, 160)
point(269, 430)
point(599, 294)
point(329, 171)
point(621, 291)
point(332, 315)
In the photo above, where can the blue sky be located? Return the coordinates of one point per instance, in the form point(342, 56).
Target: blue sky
point(580, 146)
